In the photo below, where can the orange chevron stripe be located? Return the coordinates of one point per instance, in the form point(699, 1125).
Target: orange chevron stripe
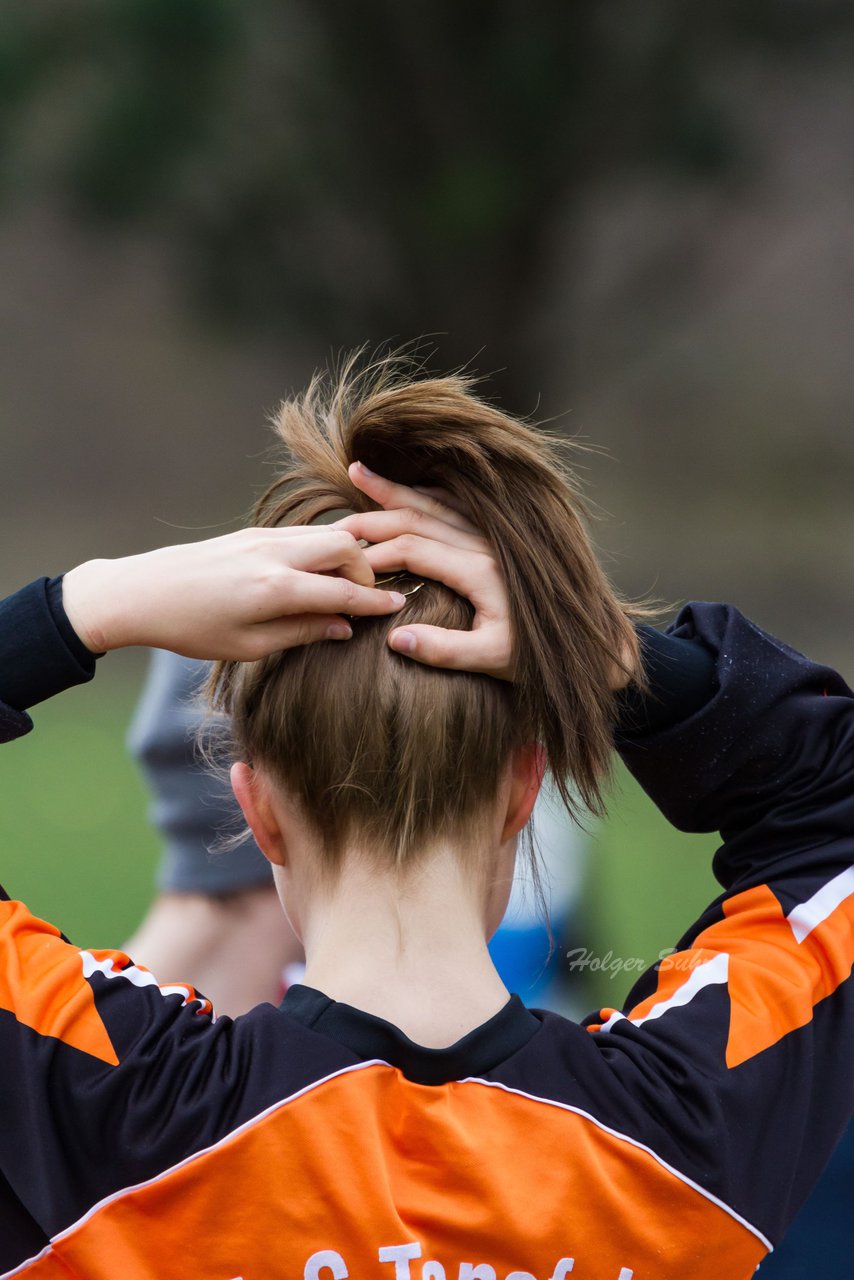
point(775, 981)
point(673, 972)
point(42, 984)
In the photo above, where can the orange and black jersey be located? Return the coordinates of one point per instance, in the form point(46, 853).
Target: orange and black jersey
point(140, 1136)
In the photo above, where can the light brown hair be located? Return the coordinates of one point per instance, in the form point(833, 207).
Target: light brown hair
point(379, 751)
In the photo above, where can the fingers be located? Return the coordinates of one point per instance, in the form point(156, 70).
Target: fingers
point(380, 526)
point(316, 593)
point(389, 494)
point(486, 650)
point(277, 532)
point(470, 573)
point(326, 551)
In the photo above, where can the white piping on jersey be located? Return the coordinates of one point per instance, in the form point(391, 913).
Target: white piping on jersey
point(30, 1262)
point(633, 1142)
point(196, 1155)
point(810, 914)
point(362, 1066)
point(138, 977)
point(709, 973)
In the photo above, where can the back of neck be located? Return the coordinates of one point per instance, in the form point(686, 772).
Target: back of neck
point(411, 950)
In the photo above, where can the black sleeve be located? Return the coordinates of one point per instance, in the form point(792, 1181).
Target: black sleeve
point(736, 1048)
point(771, 738)
point(40, 653)
point(681, 678)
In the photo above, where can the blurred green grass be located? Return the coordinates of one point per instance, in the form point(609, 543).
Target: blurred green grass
point(647, 883)
point(74, 840)
point(77, 848)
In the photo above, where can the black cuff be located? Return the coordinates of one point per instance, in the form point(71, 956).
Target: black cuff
point(40, 653)
point(681, 677)
point(57, 611)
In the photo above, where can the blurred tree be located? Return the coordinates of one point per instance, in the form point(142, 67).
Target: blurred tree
point(371, 169)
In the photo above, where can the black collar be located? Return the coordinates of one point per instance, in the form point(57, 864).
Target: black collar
point(371, 1037)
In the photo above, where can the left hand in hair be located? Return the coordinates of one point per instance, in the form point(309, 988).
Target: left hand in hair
point(420, 531)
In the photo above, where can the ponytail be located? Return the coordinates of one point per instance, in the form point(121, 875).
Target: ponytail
point(570, 629)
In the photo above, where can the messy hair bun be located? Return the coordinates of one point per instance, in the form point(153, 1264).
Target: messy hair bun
point(569, 627)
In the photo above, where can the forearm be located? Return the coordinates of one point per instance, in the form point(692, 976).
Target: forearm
point(238, 597)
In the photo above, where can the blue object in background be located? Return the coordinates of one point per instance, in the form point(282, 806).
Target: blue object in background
point(526, 948)
point(526, 959)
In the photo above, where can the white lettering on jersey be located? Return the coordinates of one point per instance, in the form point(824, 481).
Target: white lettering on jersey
point(325, 1260)
point(401, 1255)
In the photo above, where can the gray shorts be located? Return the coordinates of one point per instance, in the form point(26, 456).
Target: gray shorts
point(192, 808)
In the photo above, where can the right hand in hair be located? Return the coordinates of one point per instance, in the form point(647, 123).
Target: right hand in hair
point(237, 597)
point(420, 532)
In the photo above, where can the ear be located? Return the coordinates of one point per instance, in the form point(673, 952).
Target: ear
point(527, 766)
point(250, 789)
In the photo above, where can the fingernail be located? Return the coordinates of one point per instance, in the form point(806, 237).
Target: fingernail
point(403, 641)
point(367, 470)
point(397, 598)
point(338, 631)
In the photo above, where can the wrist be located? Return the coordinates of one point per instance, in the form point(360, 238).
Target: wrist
point(90, 601)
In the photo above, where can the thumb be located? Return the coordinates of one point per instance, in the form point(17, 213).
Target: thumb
point(434, 646)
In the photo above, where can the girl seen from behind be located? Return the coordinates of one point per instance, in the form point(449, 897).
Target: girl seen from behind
point(402, 1114)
